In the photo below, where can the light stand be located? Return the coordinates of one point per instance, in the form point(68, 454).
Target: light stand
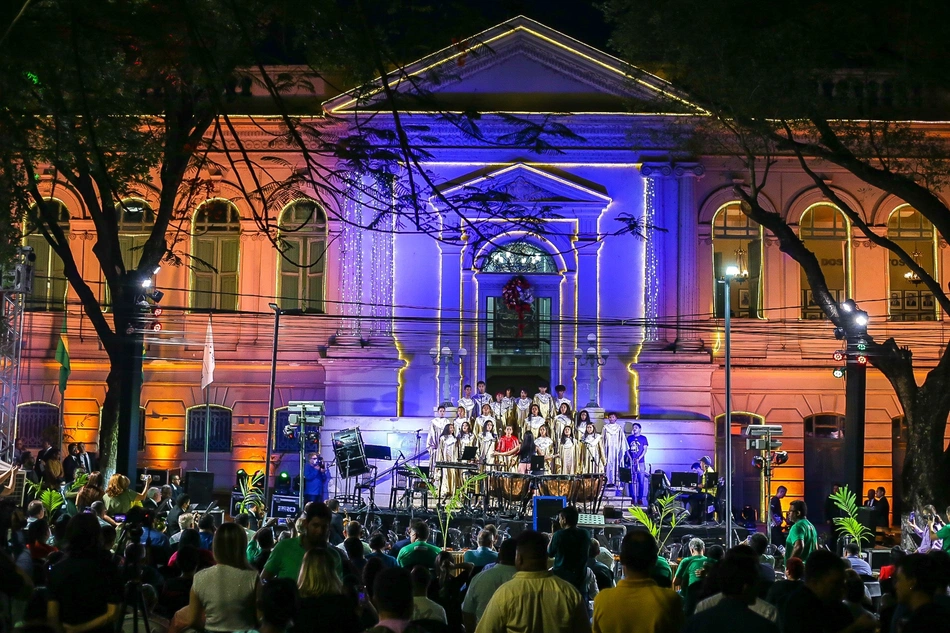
point(854, 329)
point(442, 359)
point(271, 416)
point(733, 273)
point(594, 360)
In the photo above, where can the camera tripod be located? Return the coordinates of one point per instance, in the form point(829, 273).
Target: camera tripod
point(135, 600)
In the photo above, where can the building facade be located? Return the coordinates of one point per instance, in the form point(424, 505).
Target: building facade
point(381, 308)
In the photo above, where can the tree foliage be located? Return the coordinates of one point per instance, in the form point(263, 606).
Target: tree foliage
point(822, 84)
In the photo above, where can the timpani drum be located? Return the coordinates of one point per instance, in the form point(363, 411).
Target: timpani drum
point(510, 486)
point(586, 488)
point(554, 485)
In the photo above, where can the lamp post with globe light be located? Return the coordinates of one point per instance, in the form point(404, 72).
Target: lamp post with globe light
point(443, 359)
point(734, 274)
point(593, 359)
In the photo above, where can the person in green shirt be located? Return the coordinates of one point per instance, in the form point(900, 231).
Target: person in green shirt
point(802, 537)
point(944, 532)
point(419, 551)
point(687, 572)
point(287, 556)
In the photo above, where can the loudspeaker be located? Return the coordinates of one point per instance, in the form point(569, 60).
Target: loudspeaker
point(546, 510)
point(626, 475)
point(236, 498)
point(200, 487)
point(877, 558)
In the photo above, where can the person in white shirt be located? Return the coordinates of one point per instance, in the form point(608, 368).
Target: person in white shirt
point(466, 402)
point(422, 607)
point(485, 584)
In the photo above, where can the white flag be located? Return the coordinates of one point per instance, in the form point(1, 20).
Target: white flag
point(207, 360)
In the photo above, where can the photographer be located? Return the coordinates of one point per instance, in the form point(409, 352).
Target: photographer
point(315, 478)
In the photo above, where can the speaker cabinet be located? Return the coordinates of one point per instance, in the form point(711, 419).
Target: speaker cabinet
point(200, 487)
point(546, 510)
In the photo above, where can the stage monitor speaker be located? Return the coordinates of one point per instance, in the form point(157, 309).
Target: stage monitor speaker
point(611, 512)
point(200, 487)
point(349, 453)
point(625, 474)
point(877, 558)
point(284, 507)
point(546, 510)
point(236, 499)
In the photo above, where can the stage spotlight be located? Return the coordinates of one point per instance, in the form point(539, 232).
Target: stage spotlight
point(240, 479)
point(282, 485)
point(780, 457)
point(758, 462)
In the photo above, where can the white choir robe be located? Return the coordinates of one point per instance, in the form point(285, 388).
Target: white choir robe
point(482, 399)
point(458, 424)
point(559, 401)
point(545, 448)
point(469, 405)
point(522, 407)
point(480, 423)
point(559, 423)
point(533, 424)
point(615, 443)
point(545, 402)
point(593, 459)
point(568, 457)
point(486, 448)
point(432, 440)
point(448, 477)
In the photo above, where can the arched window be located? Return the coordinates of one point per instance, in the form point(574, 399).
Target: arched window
point(909, 300)
point(519, 257)
point(303, 235)
point(136, 219)
point(220, 437)
point(216, 247)
point(737, 241)
point(49, 280)
point(32, 421)
point(827, 233)
point(828, 425)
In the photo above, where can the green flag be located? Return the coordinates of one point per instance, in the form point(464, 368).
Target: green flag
point(62, 355)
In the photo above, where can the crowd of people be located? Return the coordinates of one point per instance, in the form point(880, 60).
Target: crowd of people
point(87, 568)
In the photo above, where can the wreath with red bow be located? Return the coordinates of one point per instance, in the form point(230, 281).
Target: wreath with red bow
point(518, 297)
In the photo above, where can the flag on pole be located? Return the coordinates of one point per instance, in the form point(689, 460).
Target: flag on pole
point(207, 360)
point(62, 357)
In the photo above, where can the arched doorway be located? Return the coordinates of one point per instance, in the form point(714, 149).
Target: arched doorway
point(746, 478)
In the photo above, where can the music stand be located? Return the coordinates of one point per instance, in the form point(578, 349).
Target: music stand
point(684, 480)
point(469, 454)
point(537, 463)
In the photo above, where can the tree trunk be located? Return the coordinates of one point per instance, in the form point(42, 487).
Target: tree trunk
point(926, 424)
point(122, 376)
point(109, 423)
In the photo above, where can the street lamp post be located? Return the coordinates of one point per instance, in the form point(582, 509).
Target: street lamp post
point(593, 359)
point(854, 330)
point(733, 273)
point(443, 359)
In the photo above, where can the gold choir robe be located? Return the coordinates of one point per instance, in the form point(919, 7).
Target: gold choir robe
point(593, 458)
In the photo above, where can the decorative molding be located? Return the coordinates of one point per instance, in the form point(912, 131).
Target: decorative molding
point(688, 169)
point(656, 170)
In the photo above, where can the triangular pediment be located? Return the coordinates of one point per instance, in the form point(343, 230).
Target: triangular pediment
point(526, 185)
point(522, 66)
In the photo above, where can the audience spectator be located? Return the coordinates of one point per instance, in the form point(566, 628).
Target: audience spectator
point(485, 552)
point(451, 579)
point(392, 596)
point(688, 571)
point(286, 558)
point(637, 604)
point(186, 521)
point(98, 508)
point(353, 547)
point(919, 578)
point(738, 578)
point(485, 584)
point(277, 605)
point(760, 544)
point(244, 520)
point(191, 538)
point(224, 597)
point(422, 607)
point(602, 573)
point(817, 607)
point(166, 503)
point(858, 564)
point(90, 492)
point(757, 605)
point(206, 530)
point(855, 597)
point(889, 571)
point(373, 568)
point(119, 497)
point(535, 600)
point(260, 548)
point(779, 592)
point(180, 508)
point(802, 538)
point(152, 498)
point(401, 543)
point(354, 529)
point(569, 548)
point(176, 591)
point(378, 546)
point(53, 474)
point(84, 588)
point(419, 551)
point(337, 533)
point(322, 604)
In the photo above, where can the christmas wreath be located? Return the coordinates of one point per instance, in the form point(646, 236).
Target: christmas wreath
point(518, 297)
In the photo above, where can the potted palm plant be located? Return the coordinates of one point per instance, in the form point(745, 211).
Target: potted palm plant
point(452, 504)
point(847, 502)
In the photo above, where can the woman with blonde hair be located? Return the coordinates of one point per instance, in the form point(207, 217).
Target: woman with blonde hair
point(323, 603)
point(119, 497)
point(224, 597)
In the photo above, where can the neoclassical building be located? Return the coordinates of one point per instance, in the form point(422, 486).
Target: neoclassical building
point(378, 303)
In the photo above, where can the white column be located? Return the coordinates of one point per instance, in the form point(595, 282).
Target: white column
point(688, 236)
point(654, 202)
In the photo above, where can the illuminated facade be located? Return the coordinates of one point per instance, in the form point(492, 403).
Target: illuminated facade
point(377, 302)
